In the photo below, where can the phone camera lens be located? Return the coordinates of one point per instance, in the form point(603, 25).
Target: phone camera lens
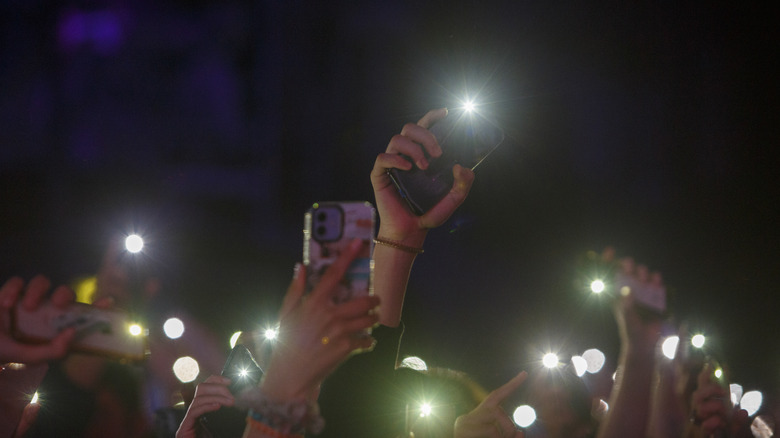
point(322, 216)
point(321, 230)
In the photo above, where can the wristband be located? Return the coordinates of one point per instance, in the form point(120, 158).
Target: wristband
point(290, 418)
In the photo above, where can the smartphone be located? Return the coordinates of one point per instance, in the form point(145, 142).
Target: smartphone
point(105, 332)
point(466, 138)
point(244, 373)
point(328, 229)
point(650, 297)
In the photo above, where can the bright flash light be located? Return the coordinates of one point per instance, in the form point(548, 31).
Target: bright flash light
point(595, 360)
point(469, 106)
point(34, 399)
point(186, 369)
point(271, 333)
point(414, 363)
point(243, 372)
point(597, 286)
point(698, 340)
point(524, 416)
point(550, 360)
point(173, 328)
point(751, 402)
point(669, 347)
point(736, 393)
point(580, 365)
point(425, 409)
point(718, 373)
point(234, 339)
point(134, 243)
point(135, 329)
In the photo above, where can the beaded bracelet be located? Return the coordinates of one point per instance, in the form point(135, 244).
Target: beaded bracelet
point(268, 430)
point(291, 417)
point(398, 245)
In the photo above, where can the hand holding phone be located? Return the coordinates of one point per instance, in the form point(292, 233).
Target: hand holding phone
point(466, 138)
point(244, 373)
point(29, 297)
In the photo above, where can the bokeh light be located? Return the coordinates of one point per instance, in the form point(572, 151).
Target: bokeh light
point(597, 286)
point(173, 328)
point(414, 363)
point(595, 360)
point(763, 426)
point(698, 340)
point(134, 243)
point(736, 393)
point(580, 365)
point(186, 369)
point(524, 416)
point(751, 402)
point(550, 360)
point(234, 339)
point(669, 347)
point(718, 373)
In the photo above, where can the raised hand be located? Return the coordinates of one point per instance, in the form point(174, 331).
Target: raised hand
point(488, 420)
point(315, 334)
point(32, 295)
point(210, 395)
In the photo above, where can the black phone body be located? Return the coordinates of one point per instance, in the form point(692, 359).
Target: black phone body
point(244, 373)
point(466, 138)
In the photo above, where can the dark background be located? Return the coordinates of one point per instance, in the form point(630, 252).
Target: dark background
point(211, 126)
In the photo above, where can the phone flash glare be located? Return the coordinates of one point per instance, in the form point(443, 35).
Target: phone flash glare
point(34, 399)
point(524, 416)
point(550, 360)
point(469, 106)
point(698, 341)
point(134, 243)
point(243, 372)
point(425, 409)
point(135, 330)
point(597, 286)
point(271, 334)
point(718, 373)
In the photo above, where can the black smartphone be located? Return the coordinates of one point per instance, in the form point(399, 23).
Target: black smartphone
point(466, 138)
point(244, 373)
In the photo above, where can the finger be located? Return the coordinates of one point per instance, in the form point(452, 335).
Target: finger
point(106, 302)
point(642, 273)
point(410, 147)
point(608, 255)
point(432, 117)
point(217, 379)
point(386, 161)
point(294, 291)
point(712, 424)
point(656, 279)
point(627, 265)
point(464, 179)
point(326, 288)
point(32, 354)
point(504, 391)
point(505, 425)
point(355, 325)
point(424, 137)
point(63, 296)
point(10, 292)
point(35, 292)
point(357, 307)
point(198, 409)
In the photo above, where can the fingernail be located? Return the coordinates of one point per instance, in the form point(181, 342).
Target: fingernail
point(296, 270)
point(422, 163)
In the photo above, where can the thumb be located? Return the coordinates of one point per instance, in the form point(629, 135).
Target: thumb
point(294, 291)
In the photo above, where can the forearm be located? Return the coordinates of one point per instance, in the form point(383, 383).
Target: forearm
point(392, 267)
point(631, 396)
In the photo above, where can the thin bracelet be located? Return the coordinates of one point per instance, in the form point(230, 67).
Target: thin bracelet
point(268, 430)
point(398, 245)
